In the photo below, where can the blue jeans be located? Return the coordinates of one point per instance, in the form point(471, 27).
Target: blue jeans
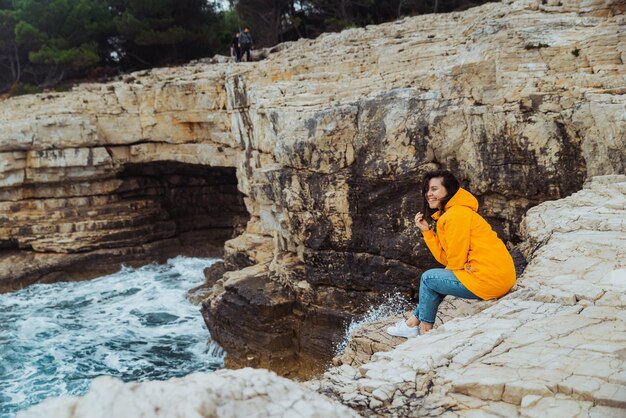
point(435, 285)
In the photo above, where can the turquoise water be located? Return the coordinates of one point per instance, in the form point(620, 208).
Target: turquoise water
point(135, 324)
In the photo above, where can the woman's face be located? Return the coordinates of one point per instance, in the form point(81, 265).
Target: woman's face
point(436, 192)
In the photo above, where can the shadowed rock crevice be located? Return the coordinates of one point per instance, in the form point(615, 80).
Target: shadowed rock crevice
point(141, 213)
point(203, 203)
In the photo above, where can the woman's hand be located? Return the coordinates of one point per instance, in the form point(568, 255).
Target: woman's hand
point(420, 222)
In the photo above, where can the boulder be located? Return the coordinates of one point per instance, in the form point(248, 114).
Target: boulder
point(224, 393)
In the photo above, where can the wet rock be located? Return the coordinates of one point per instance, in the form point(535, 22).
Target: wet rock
point(212, 274)
point(372, 338)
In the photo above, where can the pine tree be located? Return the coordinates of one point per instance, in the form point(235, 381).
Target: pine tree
point(11, 63)
point(60, 37)
point(158, 32)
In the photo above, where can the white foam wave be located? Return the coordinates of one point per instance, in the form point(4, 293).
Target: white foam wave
point(135, 324)
point(394, 304)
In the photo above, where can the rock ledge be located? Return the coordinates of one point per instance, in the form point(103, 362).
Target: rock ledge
point(556, 346)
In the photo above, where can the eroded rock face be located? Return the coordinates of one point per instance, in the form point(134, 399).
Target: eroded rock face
point(224, 393)
point(328, 140)
point(477, 92)
point(554, 347)
point(132, 213)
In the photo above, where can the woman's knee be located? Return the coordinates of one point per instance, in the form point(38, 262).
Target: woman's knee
point(428, 277)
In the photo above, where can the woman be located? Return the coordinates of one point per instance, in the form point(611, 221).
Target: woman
point(478, 264)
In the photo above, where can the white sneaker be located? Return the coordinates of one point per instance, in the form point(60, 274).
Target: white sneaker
point(401, 329)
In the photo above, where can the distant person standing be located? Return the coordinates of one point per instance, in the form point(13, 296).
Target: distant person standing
point(235, 49)
point(245, 43)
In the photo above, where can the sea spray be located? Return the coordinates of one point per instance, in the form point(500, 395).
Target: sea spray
point(394, 304)
point(135, 324)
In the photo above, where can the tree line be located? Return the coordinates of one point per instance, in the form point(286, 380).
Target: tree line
point(45, 43)
point(277, 21)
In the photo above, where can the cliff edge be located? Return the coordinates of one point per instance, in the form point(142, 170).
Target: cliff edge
point(304, 168)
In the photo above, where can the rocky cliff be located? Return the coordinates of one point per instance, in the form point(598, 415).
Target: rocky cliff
point(555, 346)
point(317, 152)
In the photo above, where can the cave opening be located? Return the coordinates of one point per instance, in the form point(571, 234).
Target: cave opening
point(197, 205)
point(141, 213)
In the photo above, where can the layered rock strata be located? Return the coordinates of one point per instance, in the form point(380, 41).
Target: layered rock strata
point(554, 347)
point(328, 140)
point(113, 174)
point(132, 213)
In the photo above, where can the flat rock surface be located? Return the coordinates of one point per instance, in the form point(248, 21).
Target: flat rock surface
point(372, 337)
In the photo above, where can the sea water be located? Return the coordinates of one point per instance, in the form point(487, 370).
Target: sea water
point(135, 325)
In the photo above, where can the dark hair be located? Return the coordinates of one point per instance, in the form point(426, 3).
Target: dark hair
point(449, 182)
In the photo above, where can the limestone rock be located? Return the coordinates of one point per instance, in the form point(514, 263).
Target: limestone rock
point(224, 393)
point(372, 337)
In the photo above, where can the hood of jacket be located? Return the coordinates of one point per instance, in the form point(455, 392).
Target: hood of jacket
point(461, 198)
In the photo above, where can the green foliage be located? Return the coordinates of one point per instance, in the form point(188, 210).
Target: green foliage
point(45, 42)
point(52, 39)
point(19, 89)
point(229, 24)
point(157, 32)
point(266, 17)
point(7, 24)
point(25, 33)
point(83, 56)
point(147, 25)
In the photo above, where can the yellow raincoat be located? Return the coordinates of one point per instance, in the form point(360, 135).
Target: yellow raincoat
point(466, 244)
